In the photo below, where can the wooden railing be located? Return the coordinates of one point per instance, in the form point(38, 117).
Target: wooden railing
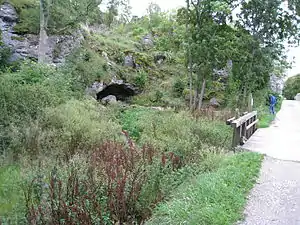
point(243, 127)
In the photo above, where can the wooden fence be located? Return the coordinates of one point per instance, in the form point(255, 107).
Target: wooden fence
point(243, 127)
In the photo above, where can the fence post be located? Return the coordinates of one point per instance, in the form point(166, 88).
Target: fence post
point(250, 103)
point(236, 137)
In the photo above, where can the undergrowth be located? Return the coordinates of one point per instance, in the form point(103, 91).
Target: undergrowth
point(265, 116)
point(215, 198)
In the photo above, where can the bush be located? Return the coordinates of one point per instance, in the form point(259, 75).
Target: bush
point(178, 87)
point(141, 79)
point(77, 126)
point(65, 130)
point(292, 87)
point(23, 97)
point(86, 66)
point(175, 132)
point(117, 183)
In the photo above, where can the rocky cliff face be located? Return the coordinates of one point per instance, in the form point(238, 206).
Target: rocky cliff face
point(26, 46)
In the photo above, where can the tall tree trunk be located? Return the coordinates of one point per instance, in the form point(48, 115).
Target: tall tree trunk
point(196, 93)
point(190, 63)
point(202, 93)
point(191, 79)
point(43, 41)
point(245, 98)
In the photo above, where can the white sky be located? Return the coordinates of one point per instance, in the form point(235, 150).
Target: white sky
point(139, 8)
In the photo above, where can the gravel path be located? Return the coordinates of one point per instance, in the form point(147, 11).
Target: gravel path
point(282, 139)
point(275, 200)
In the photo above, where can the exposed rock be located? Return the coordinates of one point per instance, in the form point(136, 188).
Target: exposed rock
point(129, 61)
point(8, 13)
point(27, 46)
point(96, 29)
point(110, 99)
point(95, 88)
point(148, 41)
point(224, 73)
point(221, 73)
point(121, 91)
point(159, 58)
point(214, 103)
point(105, 56)
point(62, 46)
point(158, 108)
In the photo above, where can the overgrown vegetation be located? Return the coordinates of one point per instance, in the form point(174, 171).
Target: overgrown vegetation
point(265, 117)
point(67, 159)
point(214, 198)
point(292, 87)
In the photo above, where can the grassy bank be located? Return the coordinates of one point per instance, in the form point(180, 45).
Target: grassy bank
point(11, 195)
point(265, 117)
point(215, 198)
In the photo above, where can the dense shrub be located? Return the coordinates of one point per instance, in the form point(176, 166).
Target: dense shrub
point(141, 79)
point(117, 183)
point(176, 132)
point(23, 97)
point(292, 87)
point(86, 66)
point(65, 130)
point(178, 87)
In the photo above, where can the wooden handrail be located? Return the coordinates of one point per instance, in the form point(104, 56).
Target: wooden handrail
point(243, 119)
point(252, 124)
point(243, 127)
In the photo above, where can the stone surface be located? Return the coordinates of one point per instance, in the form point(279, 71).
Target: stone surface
point(297, 97)
point(214, 103)
point(110, 99)
point(275, 200)
point(159, 58)
point(147, 41)
point(27, 46)
point(8, 13)
point(129, 61)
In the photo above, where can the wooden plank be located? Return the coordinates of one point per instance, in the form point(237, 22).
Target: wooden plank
point(244, 113)
point(252, 124)
point(243, 119)
point(229, 121)
point(236, 138)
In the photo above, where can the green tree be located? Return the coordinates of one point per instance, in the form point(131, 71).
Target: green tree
point(268, 25)
point(209, 41)
point(292, 87)
point(67, 15)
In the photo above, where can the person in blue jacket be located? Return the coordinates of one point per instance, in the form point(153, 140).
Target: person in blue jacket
point(273, 101)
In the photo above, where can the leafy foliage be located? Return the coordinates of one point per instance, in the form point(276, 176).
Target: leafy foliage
point(292, 87)
point(78, 166)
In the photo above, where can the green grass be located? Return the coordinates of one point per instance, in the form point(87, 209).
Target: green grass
point(266, 118)
point(216, 198)
point(11, 195)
